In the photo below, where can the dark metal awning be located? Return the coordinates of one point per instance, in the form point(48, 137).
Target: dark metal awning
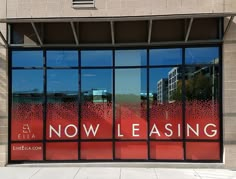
point(118, 31)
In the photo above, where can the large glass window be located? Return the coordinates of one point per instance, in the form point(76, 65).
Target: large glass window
point(150, 104)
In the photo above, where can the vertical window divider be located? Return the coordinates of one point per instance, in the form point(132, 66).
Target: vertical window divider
point(148, 112)
point(79, 106)
point(45, 102)
point(183, 102)
point(9, 102)
point(113, 105)
point(220, 87)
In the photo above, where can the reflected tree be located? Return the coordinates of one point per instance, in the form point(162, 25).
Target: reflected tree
point(198, 87)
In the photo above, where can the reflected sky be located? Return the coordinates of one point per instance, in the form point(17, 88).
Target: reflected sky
point(201, 55)
point(67, 80)
point(157, 74)
point(96, 58)
point(33, 58)
point(62, 81)
point(96, 79)
point(130, 81)
point(26, 81)
point(130, 57)
point(166, 56)
point(62, 58)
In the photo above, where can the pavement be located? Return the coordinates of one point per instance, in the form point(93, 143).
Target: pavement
point(113, 173)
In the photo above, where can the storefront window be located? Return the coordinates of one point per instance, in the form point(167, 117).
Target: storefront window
point(158, 104)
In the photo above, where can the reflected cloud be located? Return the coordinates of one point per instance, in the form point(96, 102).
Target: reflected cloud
point(89, 75)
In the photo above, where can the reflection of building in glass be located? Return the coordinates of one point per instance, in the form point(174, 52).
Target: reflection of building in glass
point(209, 72)
point(173, 77)
point(162, 90)
point(96, 95)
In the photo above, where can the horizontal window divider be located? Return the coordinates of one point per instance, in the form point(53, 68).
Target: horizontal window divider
point(94, 67)
point(164, 66)
point(126, 67)
point(96, 140)
point(27, 68)
point(131, 140)
point(201, 65)
point(202, 140)
point(63, 140)
point(166, 140)
point(119, 140)
point(61, 68)
point(27, 141)
point(116, 67)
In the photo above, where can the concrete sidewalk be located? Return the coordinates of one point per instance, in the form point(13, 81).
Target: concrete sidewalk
point(112, 173)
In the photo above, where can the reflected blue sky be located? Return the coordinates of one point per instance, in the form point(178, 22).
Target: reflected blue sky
point(62, 81)
point(201, 55)
point(166, 56)
point(27, 81)
point(130, 57)
point(96, 58)
point(96, 79)
point(67, 80)
point(62, 58)
point(130, 81)
point(157, 74)
point(33, 58)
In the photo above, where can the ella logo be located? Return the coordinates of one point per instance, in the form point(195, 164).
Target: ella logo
point(26, 133)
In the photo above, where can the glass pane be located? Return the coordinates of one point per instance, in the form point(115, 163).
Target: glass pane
point(202, 150)
point(96, 150)
point(131, 97)
point(130, 57)
point(96, 104)
point(27, 105)
point(204, 55)
point(96, 58)
point(62, 151)
point(27, 151)
point(27, 82)
point(166, 56)
point(32, 58)
point(202, 102)
point(131, 150)
point(62, 58)
point(167, 150)
point(62, 104)
point(165, 103)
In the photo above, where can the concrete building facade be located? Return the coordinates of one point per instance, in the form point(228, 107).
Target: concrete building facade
point(14, 14)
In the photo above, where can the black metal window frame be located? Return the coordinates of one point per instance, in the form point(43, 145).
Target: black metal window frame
point(113, 140)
